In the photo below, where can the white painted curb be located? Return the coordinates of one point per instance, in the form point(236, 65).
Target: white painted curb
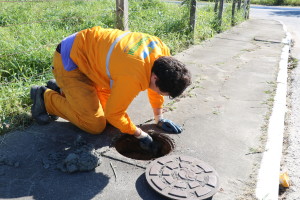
point(267, 186)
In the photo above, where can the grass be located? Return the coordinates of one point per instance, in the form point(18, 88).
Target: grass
point(30, 31)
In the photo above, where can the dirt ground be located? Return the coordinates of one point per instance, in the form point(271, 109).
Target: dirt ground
point(291, 149)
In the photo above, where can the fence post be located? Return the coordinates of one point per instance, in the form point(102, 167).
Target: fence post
point(216, 6)
point(193, 18)
point(233, 13)
point(248, 9)
point(245, 7)
point(239, 4)
point(122, 14)
point(221, 5)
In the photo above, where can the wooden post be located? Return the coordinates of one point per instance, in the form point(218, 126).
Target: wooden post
point(233, 13)
point(122, 14)
point(216, 6)
point(239, 4)
point(193, 17)
point(248, 9)
point(245, 8)
point(221, 5)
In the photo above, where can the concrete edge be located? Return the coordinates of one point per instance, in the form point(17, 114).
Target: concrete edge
point(267, 186)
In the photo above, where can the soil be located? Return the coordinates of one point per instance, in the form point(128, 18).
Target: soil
point(128, 146)
point(79, 157)
point(4, 160)
point(291, 146)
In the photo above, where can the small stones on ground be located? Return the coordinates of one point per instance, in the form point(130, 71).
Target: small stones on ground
point(4, 160)
point(76, 157)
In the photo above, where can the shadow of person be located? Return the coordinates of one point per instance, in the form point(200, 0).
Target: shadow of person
point(49, 186)
point(81, 186)
point(28, 168)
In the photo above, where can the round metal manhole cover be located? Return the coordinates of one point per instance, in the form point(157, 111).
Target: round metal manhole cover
point(182, 177)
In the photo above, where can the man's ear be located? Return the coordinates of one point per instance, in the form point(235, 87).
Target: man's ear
point(154, 77)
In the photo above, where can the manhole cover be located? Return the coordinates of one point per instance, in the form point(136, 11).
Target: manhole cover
point(182, 177)
point(128, 146)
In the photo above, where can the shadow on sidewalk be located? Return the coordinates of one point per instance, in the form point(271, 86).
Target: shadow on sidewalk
point(29, 163)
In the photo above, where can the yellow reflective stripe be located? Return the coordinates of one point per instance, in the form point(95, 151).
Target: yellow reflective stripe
point(111, 48)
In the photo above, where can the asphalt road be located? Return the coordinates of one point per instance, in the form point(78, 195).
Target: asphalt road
point(290, 17)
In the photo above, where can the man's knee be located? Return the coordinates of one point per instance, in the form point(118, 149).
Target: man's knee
point(97, 126)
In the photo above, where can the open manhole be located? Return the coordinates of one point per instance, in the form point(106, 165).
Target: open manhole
point(128, 146)
point(182, 177)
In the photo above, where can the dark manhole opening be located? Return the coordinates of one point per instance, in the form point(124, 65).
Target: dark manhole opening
point(128, 146)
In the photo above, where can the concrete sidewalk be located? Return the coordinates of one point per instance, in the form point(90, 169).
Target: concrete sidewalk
point(224, 115)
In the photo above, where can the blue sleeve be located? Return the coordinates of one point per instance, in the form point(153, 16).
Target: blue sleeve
point(66, 46)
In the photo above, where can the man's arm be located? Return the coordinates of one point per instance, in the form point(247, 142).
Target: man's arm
point(123, 92)
point(157, 112)
point(156, 101)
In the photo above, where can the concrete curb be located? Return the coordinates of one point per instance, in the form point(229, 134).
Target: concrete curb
point(267, 186)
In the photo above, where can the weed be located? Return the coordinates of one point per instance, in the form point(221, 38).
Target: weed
point(268, 92)
point(255, 150)
point(215, 112)
point(292, 63)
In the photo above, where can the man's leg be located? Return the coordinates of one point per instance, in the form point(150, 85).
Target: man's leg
point(80, 104)
point(103, 95)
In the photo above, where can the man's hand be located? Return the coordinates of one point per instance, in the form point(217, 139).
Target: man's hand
point(144, 138)
point(165, 124)
point(169, 126)
point(146, 143)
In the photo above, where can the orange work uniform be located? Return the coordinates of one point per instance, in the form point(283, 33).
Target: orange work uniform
point(113, 66)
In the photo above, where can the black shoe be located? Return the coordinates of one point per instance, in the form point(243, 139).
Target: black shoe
point(51, 84)
point(38, 109)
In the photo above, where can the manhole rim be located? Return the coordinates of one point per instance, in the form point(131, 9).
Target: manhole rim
point(166, 139)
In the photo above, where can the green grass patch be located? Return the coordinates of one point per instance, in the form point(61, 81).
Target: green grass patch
point(30, 32)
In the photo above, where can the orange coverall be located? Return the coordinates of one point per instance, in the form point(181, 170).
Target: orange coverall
point(113, 67)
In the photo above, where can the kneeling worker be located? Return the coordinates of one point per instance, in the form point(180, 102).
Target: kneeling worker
point(99, 72)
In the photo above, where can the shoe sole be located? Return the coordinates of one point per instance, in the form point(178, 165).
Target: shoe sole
point(42, 118)
point(51, 84)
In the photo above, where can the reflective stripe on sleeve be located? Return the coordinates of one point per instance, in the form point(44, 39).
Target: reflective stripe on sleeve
point(111, 48)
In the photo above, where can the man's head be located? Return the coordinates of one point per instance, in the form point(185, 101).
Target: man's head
point(170, 76)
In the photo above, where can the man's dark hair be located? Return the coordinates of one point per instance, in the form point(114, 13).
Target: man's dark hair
point(173, 76)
